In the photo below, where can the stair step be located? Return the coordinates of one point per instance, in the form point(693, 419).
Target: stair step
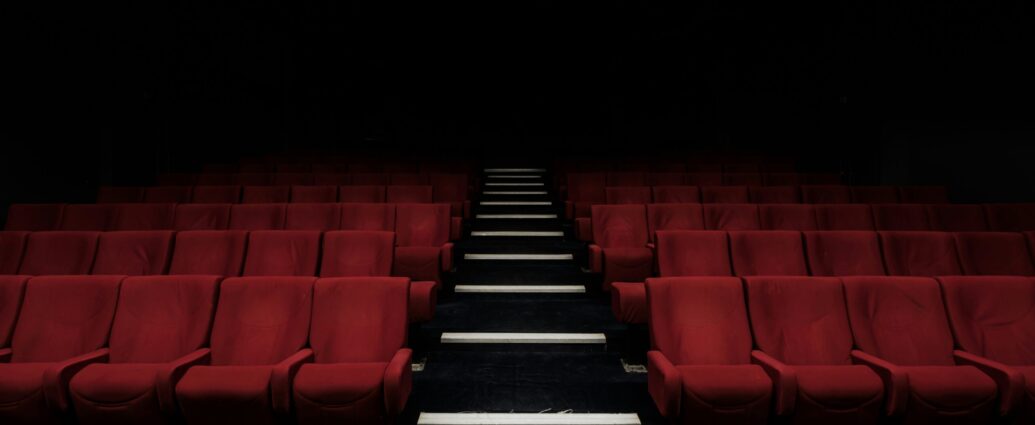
point(526, 192)
point(522, 338)
point(517, 233)
point(516, 216)
point(520, 289)
point(515, 203)
point(519, 257)
point(515, 170)
point(515, 184)
point(528, 419)
point(509, 176)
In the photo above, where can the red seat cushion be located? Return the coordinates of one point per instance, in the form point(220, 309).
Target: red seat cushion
point(21, 395)
point(835, 389)
point(354, 386)
point(742, 391)
point(226, 394)
point(125, 389)
point(937, 390)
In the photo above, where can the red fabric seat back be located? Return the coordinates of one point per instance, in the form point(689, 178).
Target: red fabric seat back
point(282, 253)
point(899, 319)
point(620, 226)
point(321, 216)
point(265, 194)
point(1010, 217)
point(587, 187)
point(168, 194)
point(86, 305)
point(843, 253)
point(957, 218)
point(357, 253)
point(162, 318)
point(874, 194)
point(674, 217)
point(731, 217)
point(12, 291)
point(800, 320)
point(202, 217)
point(261, 320)
point(34, 217)
point(449, 187)
point(361, 194)
point(12, 247)
point(825, 194)
point(91, 217)
point(133, 253)
point(699, 320)
point(408, 194)
point(59, 252)
point(209, 252)
point(226, 194)
point(257, 216)
point(143, 217)
point(676, 194)
point(774, 195)
point(844, 217)
point(312, 194)
point(900, 217)
point(991, 316)
point(368, 217)
point(628, 195)
point(767, 253)
point(693, 253)
point(993, 253)
point(919, 254)
point(359, 319)
point(798, 217)
point(724, 195)
point(422, 224)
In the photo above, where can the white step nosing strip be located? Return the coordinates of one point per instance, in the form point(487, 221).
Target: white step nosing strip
point(528, 233)
point(519, 257)
point(520, 289)
point(515, 170)
point(516, 216)
point(522, 338)
point(515, 184)
point(427, 418)
point(525, 192)
point(506, 176)
point(516, 203)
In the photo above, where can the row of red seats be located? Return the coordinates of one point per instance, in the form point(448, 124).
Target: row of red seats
point(115, 349)
point(819, 253)
point(337, 164)
point(862, 350)
point(447, 182)
point(228, 253)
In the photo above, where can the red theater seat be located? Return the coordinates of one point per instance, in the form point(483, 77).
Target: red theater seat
point(1010, 217)
point(59, 252)
point(349, 253)
point(143, 217)
point(257, 344)
point(370, 179)
point(676, 194)
point(804, 344)
point(93, 217)
point(787, 217)
point(209, 252)
point(767, 253)
point(957, 218)
point(47, 349)
point(585, 190)
point(361, 369)
point(700, 370)
point(825, 194)
point(919, 254)
point(168, 194)
point(368, 217)
point(843, 253)
point(407, 179)
point(632, 179)
point(900, 217)
point(282, 253)
point(731, 217)
point(12, 290)
point(313, 194)
point(423, 249)
point(774, 195)
point(257, 216)
point(903, 334)
point(265, 194)
point(408, 194)
point(628, 195)
point(724, 195)
point(844, 217)
point(202, 217)
point(361, 194)
point(451, 189)
point(12, 246)
point(620, 248)
point(923, 194)
point(988, 315)
point(34, 217)
point(874, 194)
point(674, 217)
point(116, 195)
point(160, 328)
point(133, 253)
point(993, 253)
point(742, 179)
point(293, 179)
point(666, 179)
point(320, 216)
point(228, 194)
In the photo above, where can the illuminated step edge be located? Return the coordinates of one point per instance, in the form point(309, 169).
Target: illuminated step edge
point(521, 289)
point(516, 216)
point(522, 338)
point(527, 192)
point(506, 176)
point(517, 233)
point(515, 203)
point(528, 419)
point(514, 184)
point(520, 257)
point(515, 170)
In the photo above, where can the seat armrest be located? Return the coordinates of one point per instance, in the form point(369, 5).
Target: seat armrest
point(664, 384)
point(56, 377)
point(446, 257)
point(896, 382)
point(398, 381)
point(785, 382)
point(170, 375)
point(282, 377)
point(596, 258)
point(1009, 380)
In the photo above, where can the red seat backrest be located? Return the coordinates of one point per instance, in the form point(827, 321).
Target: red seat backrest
point(724, 195)
point(843, 253)
point(767, 253)
point(993, 253)
point(168, 194)
point(319, 216)
point(408, 194)
point(143, 217)
point(261, 320)
point(91, 217)
point(368, 217)
point(798, 217)
point(34, 217)
point(843, 217)
point(282, 253)
point(359, 319)
point(224, 194)
point(919, 254)
point(59, 252)
point(12, 290)
point(731, 217)
point(211, 252)
point(693, 253)
point(676, 194)
point(12, 247)
point(800, 320)
point(86, 305)
point(825, 194)
point(628, 195)
point(957, 218)
point(361, 194)
point(699, 320)
point(265, 194)
point(162, 318)
point(900, 217)
point(620, 226)
point(257, 216)
point(311, 194)
point(422, 224)
point(357, 253)
point(202, 217)
point(991, 316)
point(774, 195)
point(133, 253)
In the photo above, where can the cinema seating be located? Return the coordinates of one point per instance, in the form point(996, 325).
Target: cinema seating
point(142, 217)
point(453, 190)
point(804, 341)
point(900, 217)
point(227, 194)
point(168, 194)
point(674, 217)
point(676, 194)
point(59, 253)
point(116, 195)
point(874, 194)
point(282, 253)
point(349, 253)
point(774, 195)
point(257, 342)
point(919, 254)
point(699, 368)
point(843, 217)
point(202, 217)
point(584, 190)
point(314, 194)
point(407, 179)
point(95, 217)
point(360, 371)
point(626, 179)
point(787, 217)
point(902, 333)
point(993, 253)
point(767, 253)
point(1010, 217)
point(361, 194)
point(843, 253)
point(312, 216)
point(422, 234)
point(368, 217)
point(370, 179)
point(34, 217)
point(782, 179)
point(12, 246)
point(209, 252)
point(724, 195)
point(257, 216)
point(957, 218)
point(47, 349)
point(619, 248)
point(628, 195)
point(825, 194)
point(265, 194)
point(731, 217)
point(990, 317)
point(215, 179)
point(408, 194)
point(133, 253)
point(160, 330)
